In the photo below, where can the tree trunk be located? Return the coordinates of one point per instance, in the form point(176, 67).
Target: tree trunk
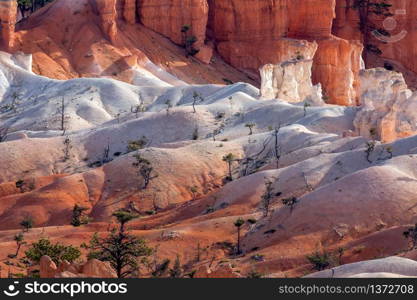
point(18, 248)
point(238, 240)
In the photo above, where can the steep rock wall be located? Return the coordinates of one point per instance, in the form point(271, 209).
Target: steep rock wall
point(399, 46)
point(8, 15)
point(251, 33)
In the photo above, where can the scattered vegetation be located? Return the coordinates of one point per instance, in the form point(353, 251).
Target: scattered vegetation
point(57, 252)
point(411, 235)
point(196, 98)
point(188, 41)
point(194, 191)
point(229, 159)
point(370, 147)
point(78, 216)
point(305, 106)
point(30, 5)
point(320, 261)
point(176, 271)
point(27, 223)
point(137, 109)
point(258, 257)
point(290, 202)
point(254, 274)
point(19, 239)
point(250, 126)
point(137, 144)
point(367, 9)
point(120, 248)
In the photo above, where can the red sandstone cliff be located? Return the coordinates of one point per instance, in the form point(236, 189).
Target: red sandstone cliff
point(399, 46)
point(247, 34)
point(8, 13)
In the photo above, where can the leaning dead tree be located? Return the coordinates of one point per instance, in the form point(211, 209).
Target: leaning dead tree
point(277, 146)
point(270, 150)
point(3, 133)
point(138, 108)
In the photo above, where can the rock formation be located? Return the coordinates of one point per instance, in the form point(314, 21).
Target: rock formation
point(253, 33)
point(8, 13)
point(247, 35)
point(398, 46)
point(290, 81)
point(93, 268)
point(388, 107)
point(129, 11)
point(107, 12)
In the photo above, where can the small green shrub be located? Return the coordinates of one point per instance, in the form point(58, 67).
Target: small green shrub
point(320, 261)
point(57, 252)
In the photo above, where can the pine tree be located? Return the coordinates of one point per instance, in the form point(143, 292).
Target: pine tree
point(120, 248)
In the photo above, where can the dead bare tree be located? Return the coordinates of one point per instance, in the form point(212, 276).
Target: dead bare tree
point(251, 163)
point(277, 147)
point(62, 115)
point(106, 154)
point(136, 109)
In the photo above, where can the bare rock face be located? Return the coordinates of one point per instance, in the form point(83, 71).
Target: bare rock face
point(98, 269)
point(168, 17)
point(48, 268)
point(290, 81)
point(388, 107)
point(91, 269)
point(251, 34)
point(336, 66)
point(399, 46)
point(247, 34)
point(129, 11)
point(8, 16)
point(108, 15)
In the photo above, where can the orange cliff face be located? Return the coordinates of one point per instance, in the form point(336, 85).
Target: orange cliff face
point(103, 38)
point(246, 34)
point(249, 34)
point(398, 47)
point(8, 13)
